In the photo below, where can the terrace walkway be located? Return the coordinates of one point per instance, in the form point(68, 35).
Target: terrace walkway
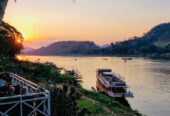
point(35, 103)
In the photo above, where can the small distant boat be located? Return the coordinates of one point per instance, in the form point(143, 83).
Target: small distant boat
point(105, 59)
point(112, 84)
point(126, 59)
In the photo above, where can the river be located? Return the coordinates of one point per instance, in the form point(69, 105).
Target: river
point(148, 79)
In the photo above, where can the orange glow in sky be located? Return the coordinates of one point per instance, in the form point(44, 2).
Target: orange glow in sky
point(103, 21)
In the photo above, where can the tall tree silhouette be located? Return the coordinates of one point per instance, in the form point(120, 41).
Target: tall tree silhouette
point(3, 4)
point(10, 41)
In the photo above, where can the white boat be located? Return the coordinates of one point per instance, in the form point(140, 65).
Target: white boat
point(112, 84)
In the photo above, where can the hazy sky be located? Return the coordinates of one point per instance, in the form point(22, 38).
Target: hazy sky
point(102, 21)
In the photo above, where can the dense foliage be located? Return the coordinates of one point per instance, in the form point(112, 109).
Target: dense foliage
point(39, 72)
point(10, 40)
point(64, 102)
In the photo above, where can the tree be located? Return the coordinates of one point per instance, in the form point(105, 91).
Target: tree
point(77, 78)
point(3, 4)
point(10, 41)
point(64, 101)
point(167, 48)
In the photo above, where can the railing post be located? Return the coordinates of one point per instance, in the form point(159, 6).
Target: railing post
point(21, 109)
point(49, 104)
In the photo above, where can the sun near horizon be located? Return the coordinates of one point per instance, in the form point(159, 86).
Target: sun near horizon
point(43, 22)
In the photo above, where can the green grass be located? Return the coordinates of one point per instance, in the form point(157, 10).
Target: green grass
point(116, 106)
point(93, 108)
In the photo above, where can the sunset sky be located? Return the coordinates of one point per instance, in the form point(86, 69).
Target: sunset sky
point(103, 21)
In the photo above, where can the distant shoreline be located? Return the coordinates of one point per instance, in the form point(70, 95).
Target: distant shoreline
point(160, 57)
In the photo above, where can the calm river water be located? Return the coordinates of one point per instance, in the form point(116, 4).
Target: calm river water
point(148, 79)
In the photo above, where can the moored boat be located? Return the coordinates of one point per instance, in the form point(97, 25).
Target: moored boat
point(112, 84)
point(126, 58)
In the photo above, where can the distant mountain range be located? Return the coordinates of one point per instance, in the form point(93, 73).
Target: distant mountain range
point(65, 48)
point(28, 49)
point(156, 41)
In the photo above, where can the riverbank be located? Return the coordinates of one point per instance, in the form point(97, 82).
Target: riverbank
point(48, 74)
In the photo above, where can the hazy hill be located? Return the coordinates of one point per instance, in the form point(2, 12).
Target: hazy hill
point(160, 35)
point(28, 49)
point(157, 40)
point(66, 48)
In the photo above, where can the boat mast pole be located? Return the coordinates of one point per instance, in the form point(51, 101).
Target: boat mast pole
point(124, 69)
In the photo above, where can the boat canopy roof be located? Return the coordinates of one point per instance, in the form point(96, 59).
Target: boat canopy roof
point(108, 73)
point(104, 70)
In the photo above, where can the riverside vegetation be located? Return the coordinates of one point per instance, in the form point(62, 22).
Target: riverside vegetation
point(71, 99)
